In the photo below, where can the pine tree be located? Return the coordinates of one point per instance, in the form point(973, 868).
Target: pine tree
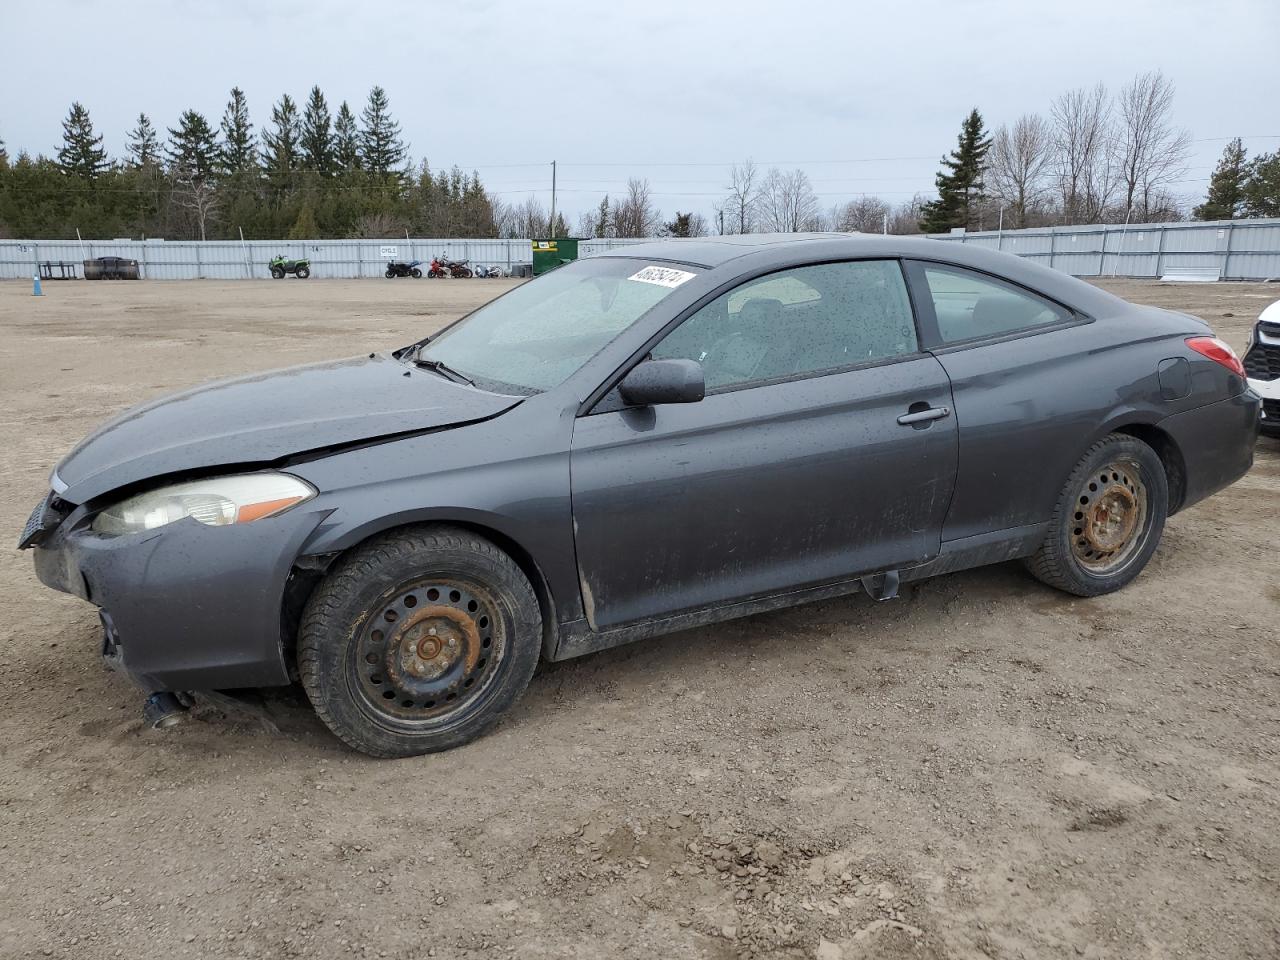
point(1262, 186)
point(281, 143)
point(681, 226)
point(1226, 186)
point(4, 154)
point(317, 134)
point(81, 153)
point(381, 149)
point(239, 150)
point(193, 147)
point(346, 140)
point(143, 145)
point(603, 219)
point(960, 187)
point(305, 227)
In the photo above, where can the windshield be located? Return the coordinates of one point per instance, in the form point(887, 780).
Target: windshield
point(543, 331)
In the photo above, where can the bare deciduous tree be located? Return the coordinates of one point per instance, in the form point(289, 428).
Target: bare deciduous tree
point(1018, 164)
point(528, 219)
point(787, 203)
point(739, 207)
point(1082, 132)
point(905, 218)
point(635, 215)
point(1149, 152)
point(863, 215)
point(197, 195)
point(379, 226)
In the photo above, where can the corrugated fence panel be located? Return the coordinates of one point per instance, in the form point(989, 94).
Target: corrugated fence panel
point(1239, 249)
point(233, 260)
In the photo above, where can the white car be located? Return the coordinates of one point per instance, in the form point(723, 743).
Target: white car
point(1262, 366)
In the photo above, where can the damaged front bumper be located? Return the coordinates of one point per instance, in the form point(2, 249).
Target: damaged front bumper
point(1269, 391)
point(185, 606)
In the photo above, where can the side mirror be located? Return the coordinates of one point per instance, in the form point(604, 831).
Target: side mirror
point(663, 381)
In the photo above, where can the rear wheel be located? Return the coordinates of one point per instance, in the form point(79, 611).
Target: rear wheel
point(418, 641)
point(302, 273)
point(1108, 520)
point(390, 274)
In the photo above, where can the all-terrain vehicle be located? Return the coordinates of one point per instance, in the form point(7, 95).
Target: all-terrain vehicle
point(280, 266)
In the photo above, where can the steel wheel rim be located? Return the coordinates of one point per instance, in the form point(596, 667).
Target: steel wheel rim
point(430, 650)
point(1110, 518)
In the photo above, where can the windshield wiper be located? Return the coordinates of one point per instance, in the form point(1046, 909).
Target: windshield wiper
point(442, 368)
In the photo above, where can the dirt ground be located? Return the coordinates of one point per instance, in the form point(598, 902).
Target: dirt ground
point(982, 769)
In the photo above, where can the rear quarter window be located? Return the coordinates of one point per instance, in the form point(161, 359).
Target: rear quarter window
point(971, 306)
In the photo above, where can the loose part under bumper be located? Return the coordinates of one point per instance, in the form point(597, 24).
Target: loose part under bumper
point(186, 606)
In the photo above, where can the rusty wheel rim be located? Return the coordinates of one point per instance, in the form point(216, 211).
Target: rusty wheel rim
point(1110, 518)
point(430, 649)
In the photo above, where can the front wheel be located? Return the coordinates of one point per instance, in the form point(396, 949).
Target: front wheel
point(418, 641)
point(1108, 519)
point(390, 274)
point(416, 273)
point(277, 273)
point(302, 273)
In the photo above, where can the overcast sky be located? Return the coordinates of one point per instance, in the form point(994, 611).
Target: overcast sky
point(864, 96)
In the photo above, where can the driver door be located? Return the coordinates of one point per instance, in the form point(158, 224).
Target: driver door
point(793, 471)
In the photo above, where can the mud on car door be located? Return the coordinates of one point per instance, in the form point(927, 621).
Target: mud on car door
point(825, 449)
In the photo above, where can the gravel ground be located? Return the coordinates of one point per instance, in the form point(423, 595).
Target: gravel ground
point(984, 768)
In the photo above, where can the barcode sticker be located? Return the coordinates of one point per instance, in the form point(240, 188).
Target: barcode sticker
point(662, 276)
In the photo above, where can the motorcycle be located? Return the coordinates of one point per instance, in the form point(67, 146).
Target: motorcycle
point(398, 268)
point(456, 268)
point(280, 266)
point(492, 271)
point(437, 269)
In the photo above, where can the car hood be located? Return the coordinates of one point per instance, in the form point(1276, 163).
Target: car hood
point(258, 419)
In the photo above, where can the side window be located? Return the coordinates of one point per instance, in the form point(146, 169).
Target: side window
point(798, 321)
point(970, 306)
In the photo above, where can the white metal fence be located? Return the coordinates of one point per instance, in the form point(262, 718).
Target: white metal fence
point(1238, 250)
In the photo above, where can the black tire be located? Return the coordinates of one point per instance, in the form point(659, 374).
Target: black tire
point(418, 641)
point(465, 273)
point(277, 273)
point(1108, 519)
point(302, 273)
point(390, 274)
point(415, 273)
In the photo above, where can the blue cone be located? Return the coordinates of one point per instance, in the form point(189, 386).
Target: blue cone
point(36, 291)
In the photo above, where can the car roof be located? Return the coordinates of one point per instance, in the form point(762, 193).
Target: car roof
point(714, 251)
point(782, 250)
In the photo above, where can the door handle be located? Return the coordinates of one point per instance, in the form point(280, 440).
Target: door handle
point(924, 416)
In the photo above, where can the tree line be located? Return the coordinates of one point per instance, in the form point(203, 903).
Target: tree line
point(309, 173)
point(1096, 158)
point(312, 172)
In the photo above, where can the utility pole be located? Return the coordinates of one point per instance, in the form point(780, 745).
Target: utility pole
point(552, 225)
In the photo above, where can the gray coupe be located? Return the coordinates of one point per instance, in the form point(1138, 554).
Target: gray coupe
point(643, 441)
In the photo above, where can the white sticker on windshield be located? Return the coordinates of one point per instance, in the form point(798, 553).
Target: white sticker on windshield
point(662, 276)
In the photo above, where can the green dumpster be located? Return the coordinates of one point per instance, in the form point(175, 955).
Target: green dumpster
point(551, 253)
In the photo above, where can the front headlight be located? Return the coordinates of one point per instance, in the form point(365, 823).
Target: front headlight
point(216, 502)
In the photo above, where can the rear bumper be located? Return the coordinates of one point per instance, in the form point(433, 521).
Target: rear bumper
point(1269, 391)
point(1217, 442)
point(185, 607)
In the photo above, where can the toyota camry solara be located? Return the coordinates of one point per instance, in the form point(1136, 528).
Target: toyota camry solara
point(660, 437)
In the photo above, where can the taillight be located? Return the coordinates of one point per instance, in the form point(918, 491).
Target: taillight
point(1218, 352)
